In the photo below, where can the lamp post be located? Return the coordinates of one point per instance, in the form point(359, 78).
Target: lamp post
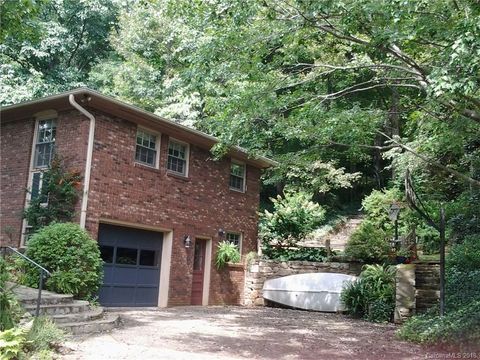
point(393, 214)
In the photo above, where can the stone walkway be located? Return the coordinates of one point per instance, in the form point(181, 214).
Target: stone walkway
point(243, 333)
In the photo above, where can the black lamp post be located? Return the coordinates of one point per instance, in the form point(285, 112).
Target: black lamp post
point(393, 214)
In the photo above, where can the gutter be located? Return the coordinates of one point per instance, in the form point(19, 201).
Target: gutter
point(88, 164)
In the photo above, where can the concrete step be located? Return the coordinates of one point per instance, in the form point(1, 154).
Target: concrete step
point(92, 314)
point(107, 322)
point(75, 306)
point(28, 296)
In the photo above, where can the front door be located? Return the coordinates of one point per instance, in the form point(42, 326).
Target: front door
point(198, 271)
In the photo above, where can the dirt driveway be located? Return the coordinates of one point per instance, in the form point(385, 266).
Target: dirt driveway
point(244, 333)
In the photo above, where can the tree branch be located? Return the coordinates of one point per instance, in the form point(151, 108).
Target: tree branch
point(433, 162)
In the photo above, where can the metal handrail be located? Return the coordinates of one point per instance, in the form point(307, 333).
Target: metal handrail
point(42, 273)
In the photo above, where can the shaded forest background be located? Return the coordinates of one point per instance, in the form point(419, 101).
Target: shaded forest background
point(345, 95)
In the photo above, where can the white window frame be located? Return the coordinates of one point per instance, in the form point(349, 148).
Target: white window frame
point(157, 146)
point(240, 239)
point(36, 143)
point(244, 187)
point(43, 115)
point(187, 157)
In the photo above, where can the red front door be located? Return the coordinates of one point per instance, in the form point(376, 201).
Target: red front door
point(198, 271)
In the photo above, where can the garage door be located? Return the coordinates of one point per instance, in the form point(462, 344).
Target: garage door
point(131, 266)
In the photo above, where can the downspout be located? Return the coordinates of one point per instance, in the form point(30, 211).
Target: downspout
point(88, 164)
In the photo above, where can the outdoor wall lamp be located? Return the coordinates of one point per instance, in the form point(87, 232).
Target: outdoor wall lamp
point(187, 241)
point(221, 233)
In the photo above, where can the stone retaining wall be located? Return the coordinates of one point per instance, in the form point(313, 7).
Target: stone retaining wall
point(261, 270)
point(417, 289)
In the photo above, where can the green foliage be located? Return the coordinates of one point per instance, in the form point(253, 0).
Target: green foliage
point(44, 335)
point(293, 217)
point(462, 273)
point(462, 320)
point(51, 45)
point(459, 326)
point(368, 244)
point(372, 296)
point(463, 215)
point(12, 342)
point(70, 254)
point(10, 310)
point(60, 195)
point(294, 254)
point(377, 205)
point(226, 252)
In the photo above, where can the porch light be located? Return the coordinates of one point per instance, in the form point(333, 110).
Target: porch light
point(187, 241)
point(221, 233)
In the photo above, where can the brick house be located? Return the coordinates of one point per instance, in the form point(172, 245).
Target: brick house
point(152, 195)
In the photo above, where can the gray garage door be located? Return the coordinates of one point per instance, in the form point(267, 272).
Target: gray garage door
point(131, 266)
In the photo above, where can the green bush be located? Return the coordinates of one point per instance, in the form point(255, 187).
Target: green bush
point(458, 326)
point(462, 273)
point(226, 252)
point(70, 254)
point(294, 254)
point(368, 244)
point(10, 309)
point(294, 216)
point(44, 335)
point(377, 207)
point(372, 296)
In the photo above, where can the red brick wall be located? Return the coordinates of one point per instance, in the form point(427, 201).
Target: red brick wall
point(16, 142)
point(124, 191)
point(16, 147)
point(199, 205)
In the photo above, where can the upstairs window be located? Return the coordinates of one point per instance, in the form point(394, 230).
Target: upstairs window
point(45, 143)
point(237, 177)
point(146, 149)
point(177, 157)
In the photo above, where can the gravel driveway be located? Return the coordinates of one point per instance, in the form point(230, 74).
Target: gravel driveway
point(243, 333)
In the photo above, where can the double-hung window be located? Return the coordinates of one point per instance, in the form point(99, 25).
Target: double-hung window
point(177, 161)
point(45, 143)
point(43, 155)
point(237, 176)
point(146, 151)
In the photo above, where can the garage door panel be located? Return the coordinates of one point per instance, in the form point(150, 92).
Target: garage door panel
point(148, 276)
point(132, 268)
point(122, 295)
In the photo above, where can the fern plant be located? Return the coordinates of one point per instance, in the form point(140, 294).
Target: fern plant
point(226, 252)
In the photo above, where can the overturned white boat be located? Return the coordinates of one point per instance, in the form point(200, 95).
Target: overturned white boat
point(311, 291)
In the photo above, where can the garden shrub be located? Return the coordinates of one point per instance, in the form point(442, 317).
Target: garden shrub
point(293, 217)
point(295, 254)
point(10, 309)
point(70, 254)
point(368, 244)
point(377, 206)
point(463, 273)
point(458, 326)
point(44, 335)
point(57, 199)
point(372, 296)
point(226, 252)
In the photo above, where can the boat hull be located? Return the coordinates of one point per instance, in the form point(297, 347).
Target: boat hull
point(311, 291)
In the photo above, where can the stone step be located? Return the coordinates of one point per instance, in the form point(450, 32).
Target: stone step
point(75, 306)
point(79, 317)
point(108, 322)
point(28, 296)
